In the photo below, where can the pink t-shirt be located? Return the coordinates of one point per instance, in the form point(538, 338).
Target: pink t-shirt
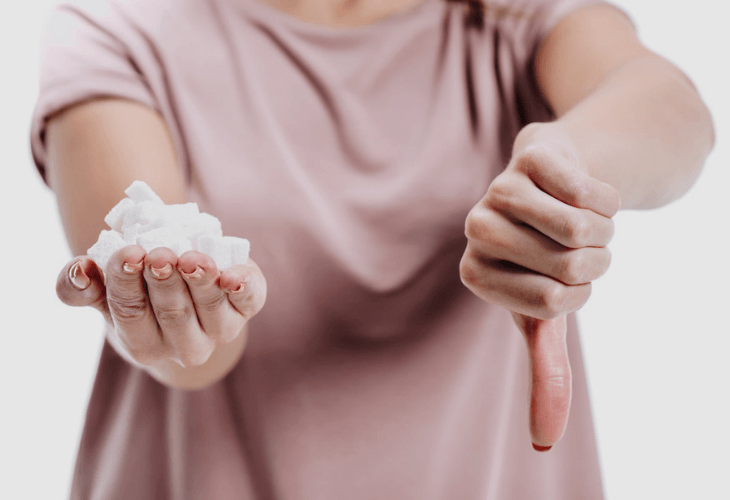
point(349, 159)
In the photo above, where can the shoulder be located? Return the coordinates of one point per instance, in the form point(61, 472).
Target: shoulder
point(110, 8)
point(143, 17)
point(83, 34)
point(522, 24)
point(528, 21)
point(581, 50)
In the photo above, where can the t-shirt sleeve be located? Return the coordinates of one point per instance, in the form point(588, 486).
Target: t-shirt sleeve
point(87, 53)
point(525, 23)
point(543, 15)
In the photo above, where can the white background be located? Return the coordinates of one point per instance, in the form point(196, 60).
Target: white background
point(655, 333)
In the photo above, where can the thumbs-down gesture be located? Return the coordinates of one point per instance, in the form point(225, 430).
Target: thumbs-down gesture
point(536, 241)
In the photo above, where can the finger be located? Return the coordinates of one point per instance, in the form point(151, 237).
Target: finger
point(81, 283)
point(129, 307)
point(526, 247)
point(174, 310)
point(559, 178)
point(219, 319)
point(550, 379)
point(570, 226)
point(246, 288)
point(520, 290)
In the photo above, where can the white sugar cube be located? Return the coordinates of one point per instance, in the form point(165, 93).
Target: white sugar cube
point(200, 225)
point(139, 192)
point(182, 246)
point(131, 232)
point(218, 247)
point(144, 219)
point(115, 216)
point(144, 213)
point(240, 248)
point(108, 243)
point(180, 214)
point(226, 251)
point(169, 237)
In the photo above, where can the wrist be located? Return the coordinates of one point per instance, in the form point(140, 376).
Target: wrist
point(549, 134)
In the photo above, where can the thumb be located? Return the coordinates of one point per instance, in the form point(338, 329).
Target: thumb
point(81, 283)
point(550, 378)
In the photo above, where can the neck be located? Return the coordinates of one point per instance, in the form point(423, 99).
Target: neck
point(342, 13)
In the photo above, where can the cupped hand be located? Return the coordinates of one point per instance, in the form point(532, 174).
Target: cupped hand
point(163, 308)
point(536, 240)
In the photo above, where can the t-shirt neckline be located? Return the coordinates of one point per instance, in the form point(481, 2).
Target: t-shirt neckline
point(271, 14)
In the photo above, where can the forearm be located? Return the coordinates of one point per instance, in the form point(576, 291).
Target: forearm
point(97, 149)
point(644, 130)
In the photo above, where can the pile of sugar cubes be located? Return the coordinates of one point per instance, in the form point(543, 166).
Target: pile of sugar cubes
point(143, 219)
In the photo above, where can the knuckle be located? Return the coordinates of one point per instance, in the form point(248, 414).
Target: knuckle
point(559, 381)
point(211, 303)
point(573, 268)
point(532, 156)
point(484, 228)
point(580, 192)
point(127, 308)
point(467, 271)
point(499, 194)
point(551, 301)
point(166, 286)
point(172, 315)
point(576, 231)
point(473, 225)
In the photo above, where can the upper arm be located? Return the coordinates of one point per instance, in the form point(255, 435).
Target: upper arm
point(581, 50)
point(95, 150)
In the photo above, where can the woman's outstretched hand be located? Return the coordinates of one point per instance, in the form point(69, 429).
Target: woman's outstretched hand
point(535, 242)
point(180, 319)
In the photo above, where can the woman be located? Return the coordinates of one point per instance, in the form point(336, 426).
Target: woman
point(349, 142)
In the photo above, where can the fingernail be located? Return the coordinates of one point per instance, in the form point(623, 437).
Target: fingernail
point(197, 274)
point(132, 268)
point(239, 290)
point(78, 277)
point(162, 273)
point(541, 448)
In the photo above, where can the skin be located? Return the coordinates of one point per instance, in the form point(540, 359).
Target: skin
point(536, 240)
point(186, 329)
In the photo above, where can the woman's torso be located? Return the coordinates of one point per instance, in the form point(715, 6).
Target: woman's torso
point(349, 159)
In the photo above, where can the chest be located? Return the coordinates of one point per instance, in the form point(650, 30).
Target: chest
point(359, 150)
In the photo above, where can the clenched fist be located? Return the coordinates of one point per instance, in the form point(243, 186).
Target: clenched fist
point(535, 242)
